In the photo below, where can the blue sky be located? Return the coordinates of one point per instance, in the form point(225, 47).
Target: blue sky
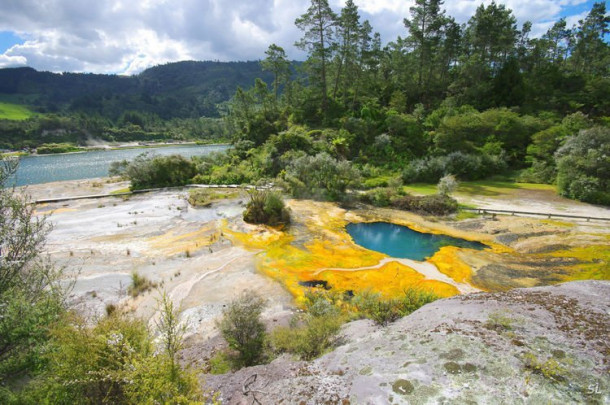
point(8, 39)
point(127, 36)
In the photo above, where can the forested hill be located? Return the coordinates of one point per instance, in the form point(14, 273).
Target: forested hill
point(176, 90)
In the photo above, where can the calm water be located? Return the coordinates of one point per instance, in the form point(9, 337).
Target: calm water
point(400, 241)
point(88, 165)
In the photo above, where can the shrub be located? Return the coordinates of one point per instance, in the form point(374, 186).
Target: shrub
point(320, 176)
point(312, 333)
point(447, 185)
point(428, 205)
point(380, 197)
point(465, 166)
point(139, 284)
point(383, 311)
point(242, 328)
point(113, 362)
point(266, 207)
point(157, 171)
point(583, 164)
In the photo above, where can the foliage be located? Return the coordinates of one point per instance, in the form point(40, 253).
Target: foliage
point(266, 207)
point(113, 362)
point(242, 328)
point(139, 284)
point(428, 205)
point(147, 171)
point(583, 164)
point(312, 333)
point(465, 166)
point(31, 299)
point(320, 176)
point(383, 311)
point(447, 185)
point(381, 196)
point(50, 148)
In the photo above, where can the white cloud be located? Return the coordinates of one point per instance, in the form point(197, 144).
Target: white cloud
point(126, 36)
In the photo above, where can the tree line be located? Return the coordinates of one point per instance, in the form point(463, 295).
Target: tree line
point(473, 100)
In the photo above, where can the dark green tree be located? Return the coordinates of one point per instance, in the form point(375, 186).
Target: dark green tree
point(277, 63)
point(318, 40)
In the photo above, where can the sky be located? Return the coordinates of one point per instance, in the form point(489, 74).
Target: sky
point(128, 36)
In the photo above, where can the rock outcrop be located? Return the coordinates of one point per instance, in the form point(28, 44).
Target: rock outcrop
point(538, 345)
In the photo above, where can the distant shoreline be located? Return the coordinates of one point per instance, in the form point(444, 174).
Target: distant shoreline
point(85, 149)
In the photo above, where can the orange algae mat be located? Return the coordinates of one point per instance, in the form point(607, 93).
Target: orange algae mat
point(328, 253)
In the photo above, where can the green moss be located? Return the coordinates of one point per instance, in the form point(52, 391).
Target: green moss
point(403, 387)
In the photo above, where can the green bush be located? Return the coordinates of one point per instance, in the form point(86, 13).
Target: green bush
point(159, 171)
point(380, 197)
point(583, 164)
point(113, 362)
point(465, 166)
point(312, 333)
point(428, 205)
point(308, 337)
point(266, 207)
point(242, 328)
point(321, 177)
point(383, 311)
point(50, 148)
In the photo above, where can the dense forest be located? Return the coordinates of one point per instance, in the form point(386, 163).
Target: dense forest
point(471, 100)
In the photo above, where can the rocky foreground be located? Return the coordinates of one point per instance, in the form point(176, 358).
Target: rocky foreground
point(524, 346)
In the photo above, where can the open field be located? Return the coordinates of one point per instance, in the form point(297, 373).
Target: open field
point(14, 112)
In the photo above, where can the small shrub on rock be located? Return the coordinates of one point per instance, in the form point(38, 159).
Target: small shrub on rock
point(243, 329)
point(266, 207)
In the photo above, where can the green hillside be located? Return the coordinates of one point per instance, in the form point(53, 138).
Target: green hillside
point(14, 112)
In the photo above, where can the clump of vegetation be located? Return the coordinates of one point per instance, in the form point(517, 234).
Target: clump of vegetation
point(583, 164)
point(241, 326)
point(381, 197)
point(447, 185)
point(428, 205)
point(140, 284)
point(113, 362)
point(147, 171)
point(312, 333)
point(204, 197)
point(549, 368)
point(382, 311)
point(50, 148)
point(320, 176)
point(266, 207)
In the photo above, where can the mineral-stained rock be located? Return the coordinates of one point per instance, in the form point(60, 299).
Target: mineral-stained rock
point(446, 352)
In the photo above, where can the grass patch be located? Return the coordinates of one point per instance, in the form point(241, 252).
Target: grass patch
point(121, 191)
point(14, 112)
point(203, 197)
point(490, 187)
point(420, 189)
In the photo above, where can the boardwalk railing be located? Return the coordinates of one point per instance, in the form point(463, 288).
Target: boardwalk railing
point(542, 214)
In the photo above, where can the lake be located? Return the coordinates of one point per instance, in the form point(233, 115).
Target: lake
point(400, 241)
point(88, 165)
